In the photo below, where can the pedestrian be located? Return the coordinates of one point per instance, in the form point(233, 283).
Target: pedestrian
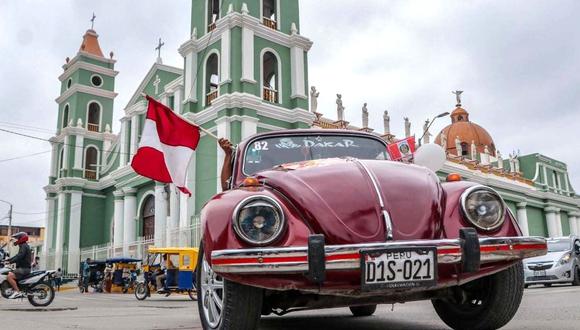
point(36, 264)
point(58, 279)
point(86, 274)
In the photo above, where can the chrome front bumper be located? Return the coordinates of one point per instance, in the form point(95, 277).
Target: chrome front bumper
point(344, 257)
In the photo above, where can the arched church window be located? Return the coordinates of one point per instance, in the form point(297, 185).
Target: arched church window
point(94, 117)
point(65, 116)
point(270, 78)
point(211, 78)
point(60, 162)
point(213, 13)
point(68, 83)
point(464, 149)
point(91, 160)
point(269, 11)
point(148, 215)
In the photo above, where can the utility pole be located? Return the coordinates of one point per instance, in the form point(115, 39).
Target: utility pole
point(9, 217)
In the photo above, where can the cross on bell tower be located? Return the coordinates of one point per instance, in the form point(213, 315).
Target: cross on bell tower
point(93, 21)
point(158, 49)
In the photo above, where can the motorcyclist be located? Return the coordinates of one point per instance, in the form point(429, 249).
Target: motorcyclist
point(23, 260)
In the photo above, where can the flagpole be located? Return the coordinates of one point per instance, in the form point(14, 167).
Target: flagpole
point(191, 122)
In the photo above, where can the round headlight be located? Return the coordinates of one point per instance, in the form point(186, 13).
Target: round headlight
point(483, 207)
point(258, 220)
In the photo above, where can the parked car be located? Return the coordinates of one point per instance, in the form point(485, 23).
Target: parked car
point(560, 265)
point(322, 218)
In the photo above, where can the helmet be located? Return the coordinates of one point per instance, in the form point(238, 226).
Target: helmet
point(20, 238)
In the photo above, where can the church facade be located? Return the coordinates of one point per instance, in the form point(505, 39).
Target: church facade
point(245, 72)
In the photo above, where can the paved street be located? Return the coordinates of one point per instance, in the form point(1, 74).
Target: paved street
point(542, 308)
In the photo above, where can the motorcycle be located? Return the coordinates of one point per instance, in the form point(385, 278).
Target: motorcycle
point(36, 286)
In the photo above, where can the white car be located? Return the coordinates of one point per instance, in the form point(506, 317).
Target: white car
point(560, 265)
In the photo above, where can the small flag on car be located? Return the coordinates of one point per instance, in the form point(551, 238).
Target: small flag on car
point(402, 149)
point(167, 144)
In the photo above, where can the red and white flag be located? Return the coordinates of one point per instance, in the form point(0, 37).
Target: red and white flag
point(166, 146)
point(402, 149)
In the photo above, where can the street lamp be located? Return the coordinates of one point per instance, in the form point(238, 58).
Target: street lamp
point(431, 123)
point(9, 217)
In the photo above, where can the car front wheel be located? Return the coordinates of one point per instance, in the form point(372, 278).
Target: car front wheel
point(224, 304)
point(486, 303)
point(576, 276)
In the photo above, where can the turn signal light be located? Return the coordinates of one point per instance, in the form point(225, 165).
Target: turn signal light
point(250, 182)
point(453, 177)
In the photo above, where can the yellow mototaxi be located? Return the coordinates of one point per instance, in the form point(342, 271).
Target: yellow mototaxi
point(175, 265)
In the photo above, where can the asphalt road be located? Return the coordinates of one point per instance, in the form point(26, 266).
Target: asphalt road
point(542, 308)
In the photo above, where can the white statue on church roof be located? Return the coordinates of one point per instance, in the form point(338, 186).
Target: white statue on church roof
point(365, 116)
point(458, 146)
point(387, 122)
point(473, 150)
point(314, 99)
point(407, 127)
point(339, 107)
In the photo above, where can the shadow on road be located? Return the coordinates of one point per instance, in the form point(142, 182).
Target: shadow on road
point(337, 322)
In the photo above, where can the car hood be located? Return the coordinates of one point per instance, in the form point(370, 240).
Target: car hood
point(338, 199)
point(549, 257)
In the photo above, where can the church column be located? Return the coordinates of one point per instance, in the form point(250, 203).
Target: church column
point(551, 221)
point(573, 220)
point(54, 160)
point(78, 152)
point(298, 81)
point(523, 218)
point(559, 223)
point(177, 99)
point(160, 214)
point(60, 230)
point(248, 55)
point(123, 156)
point(189, 81)
point(118, 219)
point(74, 233)
point(225, 56)
point(134, 135)
point(49, 230)
point(249, 126)
point(129, 214)
point(173, 227)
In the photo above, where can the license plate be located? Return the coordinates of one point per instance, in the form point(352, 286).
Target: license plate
point(539, 273)
point(398, 268)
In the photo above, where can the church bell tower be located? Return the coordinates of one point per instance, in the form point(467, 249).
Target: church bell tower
point(246, 71)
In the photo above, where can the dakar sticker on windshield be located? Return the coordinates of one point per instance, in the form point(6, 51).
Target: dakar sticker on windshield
point(288, 143)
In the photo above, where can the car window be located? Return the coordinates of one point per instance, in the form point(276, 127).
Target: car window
point(557, 246)
point(269, 152)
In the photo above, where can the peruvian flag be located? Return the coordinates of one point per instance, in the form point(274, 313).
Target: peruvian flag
point(166, 146)
point(402, 149)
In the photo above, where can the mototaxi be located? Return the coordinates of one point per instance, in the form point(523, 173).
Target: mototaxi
point(180, 272)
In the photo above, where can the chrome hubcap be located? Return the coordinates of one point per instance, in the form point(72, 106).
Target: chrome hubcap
point(212, 295)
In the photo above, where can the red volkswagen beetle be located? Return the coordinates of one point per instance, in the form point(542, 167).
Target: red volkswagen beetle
point(322, 218)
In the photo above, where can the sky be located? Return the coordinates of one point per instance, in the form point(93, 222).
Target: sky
point(517, 61)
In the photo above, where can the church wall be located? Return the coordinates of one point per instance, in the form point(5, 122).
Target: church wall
point(290, 10)
point(96, 62)
point(565, 223)
point(73, 77)
point(84, 78)
point(109, 203)
point(536, 222)
point(92, 221)
point(205, 174)
point(197, 16)
point(512, 206)
point(235, 132)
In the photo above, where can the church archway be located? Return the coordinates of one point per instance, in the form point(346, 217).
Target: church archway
point(148, 216)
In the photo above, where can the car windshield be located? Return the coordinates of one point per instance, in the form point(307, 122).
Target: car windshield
point(269, 152)
point(557, 246)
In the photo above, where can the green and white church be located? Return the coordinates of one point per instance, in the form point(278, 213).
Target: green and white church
point(245, 72)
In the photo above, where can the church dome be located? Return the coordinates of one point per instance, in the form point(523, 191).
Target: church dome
point(467, 132)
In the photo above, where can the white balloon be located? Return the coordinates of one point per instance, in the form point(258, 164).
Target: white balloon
point(431, 155)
